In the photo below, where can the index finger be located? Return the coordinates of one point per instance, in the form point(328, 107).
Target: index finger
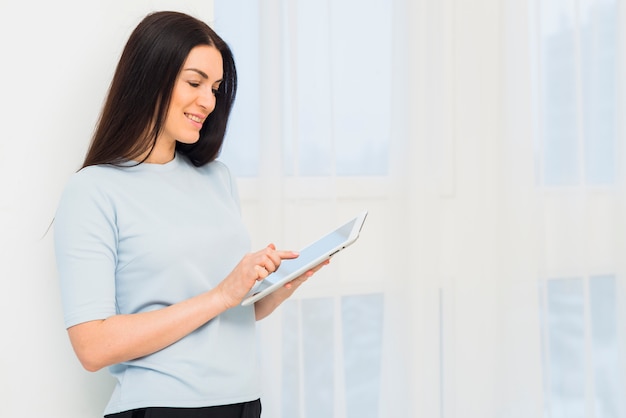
point(286, 255)
point(276, 256)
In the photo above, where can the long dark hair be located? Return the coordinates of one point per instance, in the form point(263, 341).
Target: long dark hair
point(137, 103)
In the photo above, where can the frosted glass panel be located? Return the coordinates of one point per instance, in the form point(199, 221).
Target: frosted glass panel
point(362, 76)
point(319, 365)
point(342, 89)
point(609, 390)
point(565, 320)
point(578, 84)
point(310, 142)
point(237, 22)
point(309, 350)
point(578, 381)
point(291, 360)
point(598, 64)
point(558, 88)
point(362, 322)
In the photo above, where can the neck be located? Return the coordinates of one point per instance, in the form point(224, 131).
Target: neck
point(160, 154)
point(157, 158)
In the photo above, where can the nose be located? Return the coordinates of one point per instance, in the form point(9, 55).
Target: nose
point(206, 99)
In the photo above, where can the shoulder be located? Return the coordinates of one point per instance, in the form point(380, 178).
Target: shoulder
point(89, 187)
point(92, 176)
point(217, 168)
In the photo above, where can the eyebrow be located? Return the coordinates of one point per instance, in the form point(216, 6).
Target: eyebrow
point(201, 73)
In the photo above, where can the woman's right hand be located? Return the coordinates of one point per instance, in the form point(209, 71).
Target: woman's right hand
point(253, 267)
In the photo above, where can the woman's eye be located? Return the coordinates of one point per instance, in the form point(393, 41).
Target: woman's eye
point(215, 91)
point(194, 84)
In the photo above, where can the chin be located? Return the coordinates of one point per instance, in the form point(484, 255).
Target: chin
point(189, 141)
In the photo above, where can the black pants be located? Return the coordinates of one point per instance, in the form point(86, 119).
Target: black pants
point(250, 409)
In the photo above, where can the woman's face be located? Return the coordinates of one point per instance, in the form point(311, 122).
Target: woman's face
point(193, 97)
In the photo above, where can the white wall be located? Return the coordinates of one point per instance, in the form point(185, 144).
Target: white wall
point(57, 61)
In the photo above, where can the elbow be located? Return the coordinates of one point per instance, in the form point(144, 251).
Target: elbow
point(89, 361)
point(88, 347)
point(91, 366)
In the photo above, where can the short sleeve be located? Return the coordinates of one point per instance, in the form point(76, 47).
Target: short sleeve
point(85, 240)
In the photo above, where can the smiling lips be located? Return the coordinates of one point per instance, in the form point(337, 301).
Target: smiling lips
point(194, 118)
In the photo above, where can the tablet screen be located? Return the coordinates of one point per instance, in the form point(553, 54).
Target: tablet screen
point(321, 248)
point(309, 257)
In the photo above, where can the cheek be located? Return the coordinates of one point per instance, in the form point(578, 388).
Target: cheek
point(175, 111)
point(176, 103)
point(179, 97)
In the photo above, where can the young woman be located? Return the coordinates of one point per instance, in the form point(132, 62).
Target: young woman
point(152, 254)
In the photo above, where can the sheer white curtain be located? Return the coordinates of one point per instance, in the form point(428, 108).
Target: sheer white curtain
point(579, 160)
point(484, 137)
point(564, 182)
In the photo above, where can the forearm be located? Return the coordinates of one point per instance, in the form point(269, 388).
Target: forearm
point(267, 305)
point(121, 338)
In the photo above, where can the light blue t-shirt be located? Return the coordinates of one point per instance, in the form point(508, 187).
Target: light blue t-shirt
point(139, 238)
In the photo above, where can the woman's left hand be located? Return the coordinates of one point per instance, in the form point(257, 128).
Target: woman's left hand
point(269, 303)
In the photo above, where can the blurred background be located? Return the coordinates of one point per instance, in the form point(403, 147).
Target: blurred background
point(483, 137)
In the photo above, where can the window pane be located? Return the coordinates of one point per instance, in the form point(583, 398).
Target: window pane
point(290, 360)
point(343, 88)
point(312, 94)
point(578, 83)
point(237, 22)
point(565, 361)
point(317, 348)
point(606, 358)
point(558, 85)
point(361, 58)
point(598, 47)
point(362, 324)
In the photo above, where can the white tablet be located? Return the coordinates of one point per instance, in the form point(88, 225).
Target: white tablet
point(309, 257)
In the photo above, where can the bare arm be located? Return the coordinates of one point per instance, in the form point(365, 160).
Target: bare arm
point(125, 337)
point(120, 338)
